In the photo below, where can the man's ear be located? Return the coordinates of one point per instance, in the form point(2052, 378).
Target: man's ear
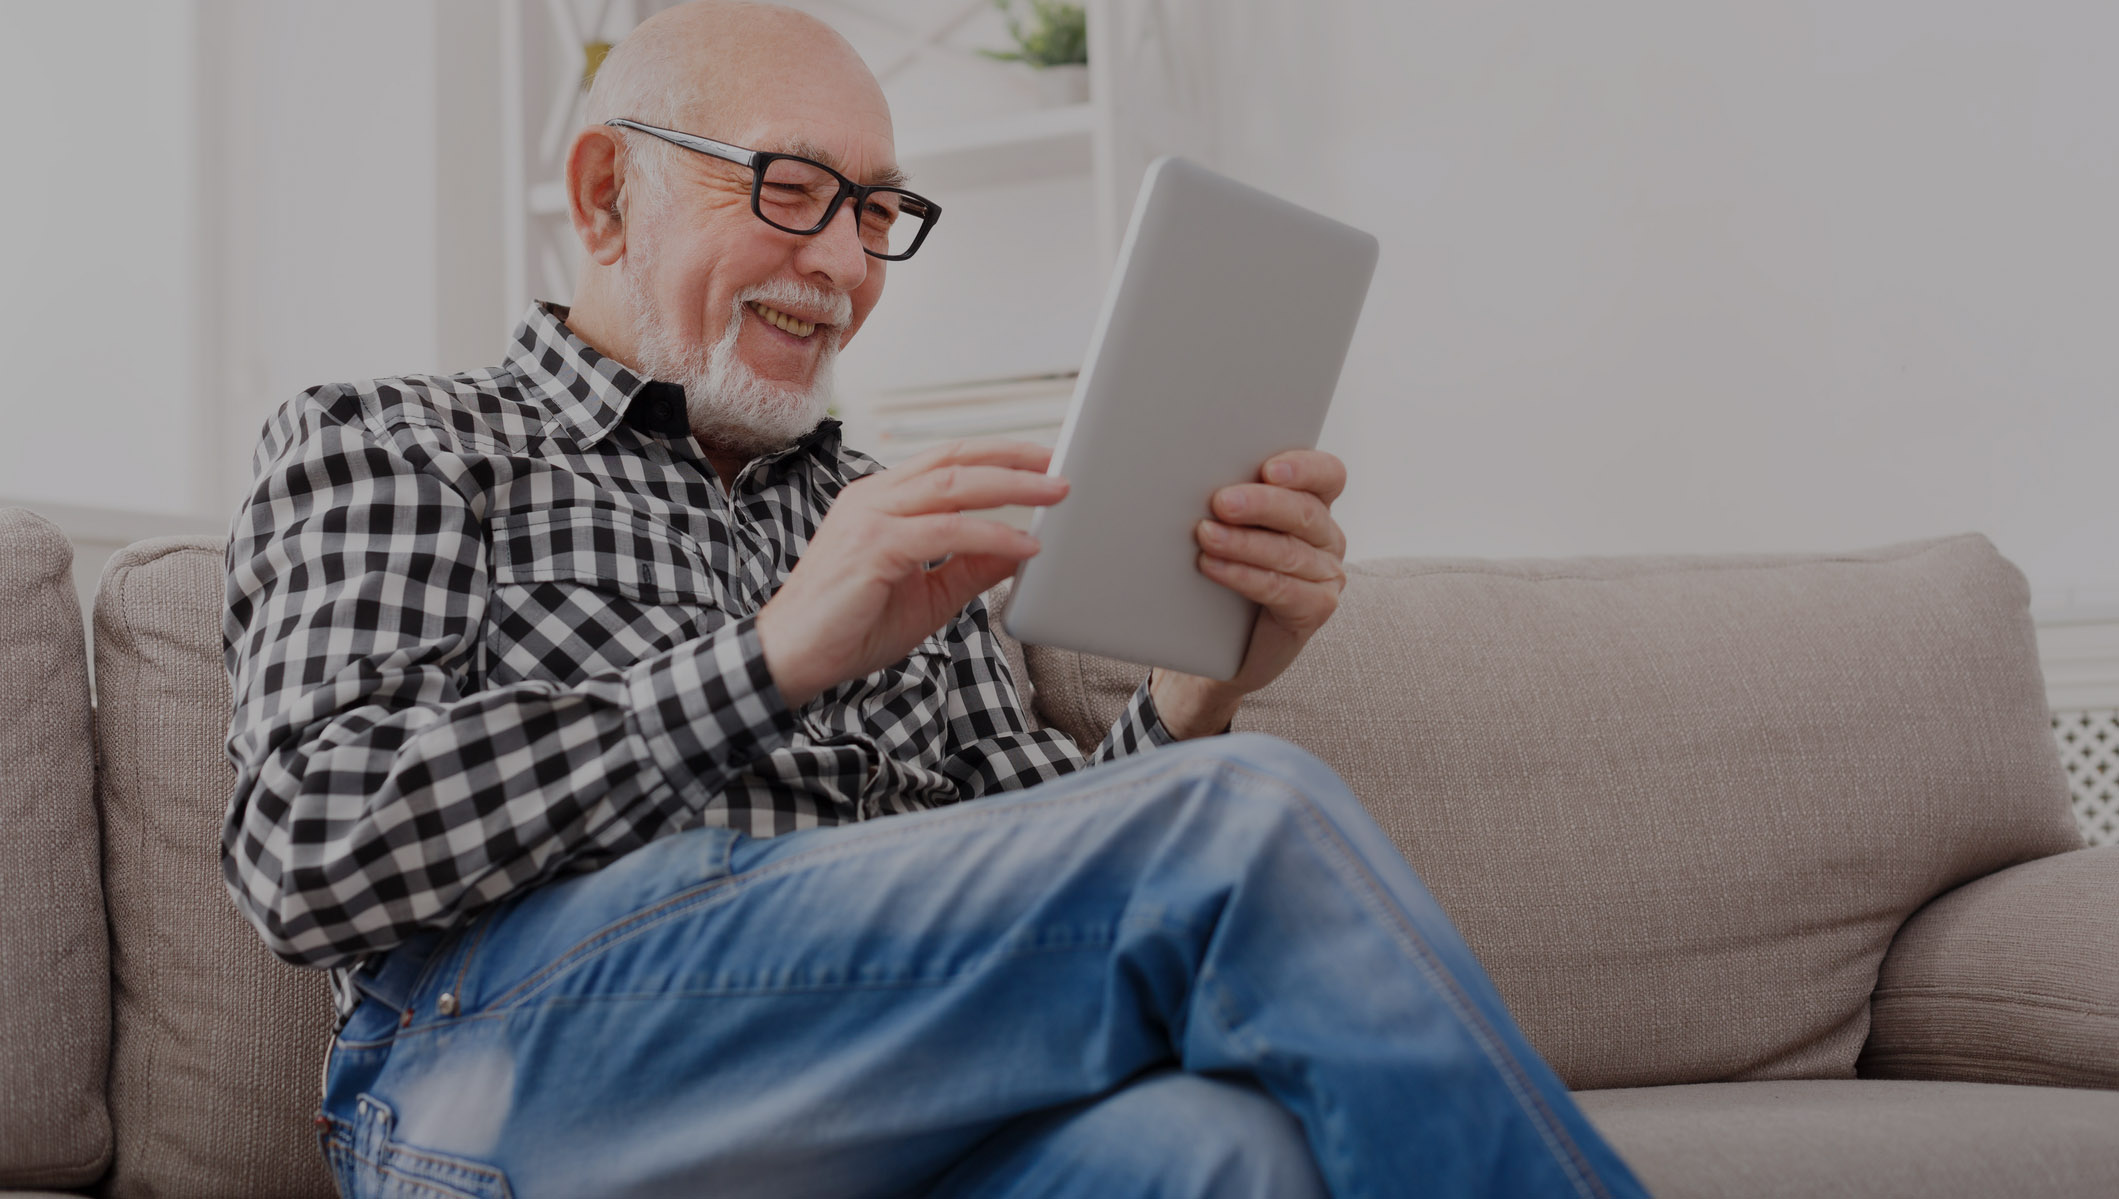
point(593, 193)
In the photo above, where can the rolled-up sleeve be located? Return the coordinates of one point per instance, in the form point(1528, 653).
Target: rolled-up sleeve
point(991, 744)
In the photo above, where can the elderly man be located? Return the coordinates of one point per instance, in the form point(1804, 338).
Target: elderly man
point(669, 819)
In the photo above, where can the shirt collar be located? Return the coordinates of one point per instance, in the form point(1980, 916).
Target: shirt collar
point(590, 393)
point(587, 392)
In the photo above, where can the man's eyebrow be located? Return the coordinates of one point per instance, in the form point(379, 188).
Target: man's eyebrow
point(801, 148)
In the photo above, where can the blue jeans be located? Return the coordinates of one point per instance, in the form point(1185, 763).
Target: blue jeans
point(1202, 971)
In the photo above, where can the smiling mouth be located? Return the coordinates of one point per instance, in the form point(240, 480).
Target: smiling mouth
point(780, 320)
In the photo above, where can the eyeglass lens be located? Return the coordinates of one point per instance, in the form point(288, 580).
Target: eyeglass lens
point(793, 195)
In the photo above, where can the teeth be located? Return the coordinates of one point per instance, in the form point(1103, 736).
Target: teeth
point(799, 328)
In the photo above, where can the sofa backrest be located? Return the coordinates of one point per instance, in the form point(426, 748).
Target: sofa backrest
point(1679, 806)
point(54, 981)
point(218, 1051)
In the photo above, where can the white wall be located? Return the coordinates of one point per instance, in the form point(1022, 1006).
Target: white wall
point(99, 319)
point(362, 212)
point(1661, 276)
point(1656, 276)
point(232, 200)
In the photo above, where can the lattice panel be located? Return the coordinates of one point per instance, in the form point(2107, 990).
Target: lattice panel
point(2089, 748)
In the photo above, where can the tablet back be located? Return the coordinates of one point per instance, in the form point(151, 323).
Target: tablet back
point(1219, 345)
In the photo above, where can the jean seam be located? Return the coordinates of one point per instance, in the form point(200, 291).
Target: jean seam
point(1556, 1138)
point(434, 1026)
point(439, 958)
point(441, 1190)
point(488, 1182)
point(463, 965)
point(1220, 1009)
point(631, 925)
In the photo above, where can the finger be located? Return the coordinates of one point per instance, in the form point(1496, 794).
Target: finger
point(958, 488)
point(924, 539)
point(1297, 603)
point(1010, 452)
point(1322, 475)
point(969, 574)
point(1281, 552)
point(1264, 505)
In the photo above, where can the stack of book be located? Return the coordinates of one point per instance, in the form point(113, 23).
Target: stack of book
point(894, 426)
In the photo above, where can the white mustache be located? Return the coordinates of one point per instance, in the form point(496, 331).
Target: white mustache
point(836, 307)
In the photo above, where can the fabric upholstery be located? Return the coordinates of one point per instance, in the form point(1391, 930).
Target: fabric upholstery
point(2013, 978)
point(1679, 806)
point(219, 1046)
point(1861, 1139)
point(54, 974)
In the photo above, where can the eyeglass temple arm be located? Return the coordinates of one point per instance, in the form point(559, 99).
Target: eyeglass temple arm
point(704, 145)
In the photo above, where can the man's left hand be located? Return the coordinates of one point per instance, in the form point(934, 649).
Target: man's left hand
point(1274, 542)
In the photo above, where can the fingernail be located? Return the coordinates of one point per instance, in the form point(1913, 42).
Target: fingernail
point(1212, 531)
point(1233, 501)
point(1280, 472)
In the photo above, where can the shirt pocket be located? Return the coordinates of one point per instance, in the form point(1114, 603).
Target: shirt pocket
point(577, 591)
point(610, 550)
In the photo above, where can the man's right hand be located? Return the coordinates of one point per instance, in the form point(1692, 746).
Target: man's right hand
point(861, 597)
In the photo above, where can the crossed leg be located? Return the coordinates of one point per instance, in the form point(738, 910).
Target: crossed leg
point(965, 994)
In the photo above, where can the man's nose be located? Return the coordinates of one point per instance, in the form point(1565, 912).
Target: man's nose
point(836, 250)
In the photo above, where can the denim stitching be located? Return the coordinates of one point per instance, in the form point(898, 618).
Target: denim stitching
point(1222, 1010)
point(1542, 1118)
point(463, 966)
point(855, 984)
point(674, 905)
point(484, 1181)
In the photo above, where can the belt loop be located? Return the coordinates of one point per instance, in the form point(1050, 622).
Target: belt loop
point(372, 1124)
point(392, 979)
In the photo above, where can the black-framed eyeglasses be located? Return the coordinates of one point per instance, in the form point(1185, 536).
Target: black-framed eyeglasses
point(799, 195)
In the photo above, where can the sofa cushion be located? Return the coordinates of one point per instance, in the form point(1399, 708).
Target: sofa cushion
point(1863, 1140)
point(219, 1046)
point(54, 958)
point(1678, 806)
point(2012, 978)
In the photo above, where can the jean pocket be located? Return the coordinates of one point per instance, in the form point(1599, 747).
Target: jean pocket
point(367, 1163)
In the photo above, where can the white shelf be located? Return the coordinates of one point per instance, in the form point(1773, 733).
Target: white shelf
point(1020, 146)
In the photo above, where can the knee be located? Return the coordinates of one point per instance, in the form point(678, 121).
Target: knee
point(1267, 752)
point(1300, 772)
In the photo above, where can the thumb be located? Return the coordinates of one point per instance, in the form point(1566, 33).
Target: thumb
point(967, 575)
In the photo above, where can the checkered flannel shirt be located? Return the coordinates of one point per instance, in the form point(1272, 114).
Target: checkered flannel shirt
point(493, 628)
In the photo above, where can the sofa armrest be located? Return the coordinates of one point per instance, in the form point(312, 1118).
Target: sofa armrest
point(2013, 978)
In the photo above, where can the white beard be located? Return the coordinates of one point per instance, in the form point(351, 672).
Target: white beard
point(733, 410)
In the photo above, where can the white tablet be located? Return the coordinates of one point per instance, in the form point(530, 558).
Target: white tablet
point(1219, 346)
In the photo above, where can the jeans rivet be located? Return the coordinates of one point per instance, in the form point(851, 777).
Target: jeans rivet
point(446, 1005)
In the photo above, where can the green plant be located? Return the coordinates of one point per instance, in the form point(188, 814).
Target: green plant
point(1056, 35)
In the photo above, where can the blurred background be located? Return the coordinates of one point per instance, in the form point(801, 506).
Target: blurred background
point(1656, 276)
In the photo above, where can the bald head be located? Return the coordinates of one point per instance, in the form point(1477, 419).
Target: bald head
point(715, 64)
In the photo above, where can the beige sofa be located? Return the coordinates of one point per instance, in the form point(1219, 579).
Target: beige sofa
point(1771, 857)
